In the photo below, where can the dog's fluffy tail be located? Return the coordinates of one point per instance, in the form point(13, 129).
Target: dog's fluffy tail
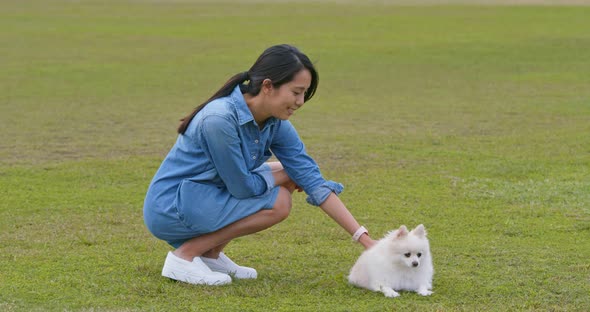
point(358, 276)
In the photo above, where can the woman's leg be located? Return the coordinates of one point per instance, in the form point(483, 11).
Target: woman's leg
point(214, 242)
point(213, 253)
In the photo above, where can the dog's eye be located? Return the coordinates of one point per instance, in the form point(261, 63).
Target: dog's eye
point(419, 255)
point(407, 255)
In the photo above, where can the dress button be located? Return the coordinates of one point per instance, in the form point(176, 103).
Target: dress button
point(256, 141)
point(253, 157)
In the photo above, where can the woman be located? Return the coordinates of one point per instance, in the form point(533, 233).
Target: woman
point(215, 186)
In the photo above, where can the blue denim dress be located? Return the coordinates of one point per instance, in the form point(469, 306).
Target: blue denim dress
point(215, 174)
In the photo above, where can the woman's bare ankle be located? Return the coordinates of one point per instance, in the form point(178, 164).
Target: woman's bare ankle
point(183, 255)
point(211, 254)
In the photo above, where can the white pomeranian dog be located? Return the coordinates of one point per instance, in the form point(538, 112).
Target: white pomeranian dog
point(399, 261)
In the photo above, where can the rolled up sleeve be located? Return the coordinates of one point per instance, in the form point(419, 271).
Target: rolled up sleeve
point(318, 195)
point(266, 173)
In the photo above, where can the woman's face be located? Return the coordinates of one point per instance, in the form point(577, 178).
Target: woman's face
point(286, 99)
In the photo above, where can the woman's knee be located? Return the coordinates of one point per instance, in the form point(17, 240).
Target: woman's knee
point(283, 204)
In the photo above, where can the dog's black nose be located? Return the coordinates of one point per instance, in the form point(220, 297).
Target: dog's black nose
point(415, 263)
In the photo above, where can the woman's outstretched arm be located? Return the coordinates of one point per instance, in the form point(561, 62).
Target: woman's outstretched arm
point(334, 208)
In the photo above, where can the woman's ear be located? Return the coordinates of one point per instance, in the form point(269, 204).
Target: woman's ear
point(266, 86)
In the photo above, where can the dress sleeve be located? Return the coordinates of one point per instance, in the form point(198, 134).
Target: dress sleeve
point(301, 168)
point(223, 146)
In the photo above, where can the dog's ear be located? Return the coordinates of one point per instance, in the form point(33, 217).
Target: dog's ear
point(419, 231)
point(401, 232)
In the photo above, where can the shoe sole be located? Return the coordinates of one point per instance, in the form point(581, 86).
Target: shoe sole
point(216, 268)
point(240, 276)
point(189, 278)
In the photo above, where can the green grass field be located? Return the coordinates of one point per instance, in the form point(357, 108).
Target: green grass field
point(473, 120)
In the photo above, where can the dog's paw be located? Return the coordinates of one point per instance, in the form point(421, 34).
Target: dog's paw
point(390, 293)
point(424, 292)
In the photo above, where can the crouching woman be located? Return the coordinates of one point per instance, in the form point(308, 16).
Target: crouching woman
point(215, 184)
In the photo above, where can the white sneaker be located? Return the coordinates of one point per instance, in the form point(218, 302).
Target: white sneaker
point(224, 264)
point(195, 272)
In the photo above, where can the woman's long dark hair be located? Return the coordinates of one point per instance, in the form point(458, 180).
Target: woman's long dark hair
point(278, 63)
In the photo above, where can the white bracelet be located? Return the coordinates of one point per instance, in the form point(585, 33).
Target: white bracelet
point(358, 233)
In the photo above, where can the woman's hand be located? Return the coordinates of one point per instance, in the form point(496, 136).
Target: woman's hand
point(282, 179)
point(291, 186)
point(367, 241)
